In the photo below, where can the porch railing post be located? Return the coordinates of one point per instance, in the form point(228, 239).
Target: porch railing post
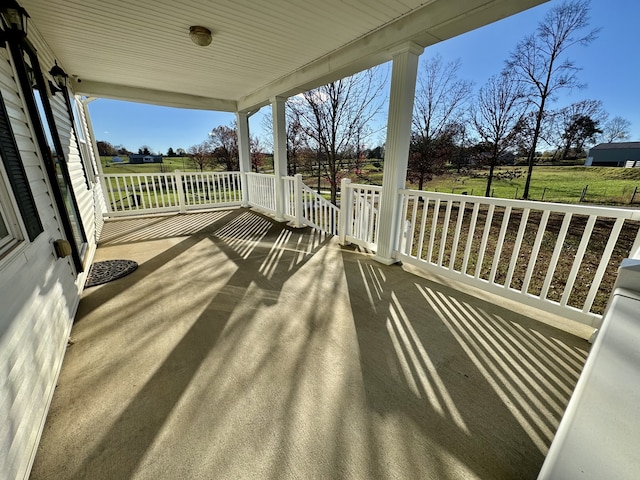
point(403, 82)
point(279, 152)
point(346, 204)
point(242, 121)
point(297, 189)
point(244, 185)
point(182, 203)
point(107, 194)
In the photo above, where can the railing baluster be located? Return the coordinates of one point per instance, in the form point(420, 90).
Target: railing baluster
point(498, 252)
point(485, 239)
point(516, 247)
point(535, 250)
point(423, 224)
point(434, 227)
point(472, 231)
point(604, 262)
point(551, 270)
point(126, 191)
point(586, 236)
point(445, 232)
point(456, 236)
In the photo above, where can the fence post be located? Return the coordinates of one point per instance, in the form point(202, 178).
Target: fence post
point(635, 190)
point(182, 203)
point(297, 192)
point(584, 193)
point(543, 192)
point(346, 203)
point(244, 185)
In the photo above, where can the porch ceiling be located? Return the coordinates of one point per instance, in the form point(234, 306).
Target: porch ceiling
point(141, 50)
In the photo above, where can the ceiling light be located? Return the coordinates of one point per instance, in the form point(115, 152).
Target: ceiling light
point(200, 35)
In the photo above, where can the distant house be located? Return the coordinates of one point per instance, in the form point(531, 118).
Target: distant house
point(141, 158)
point(618, 154)
point(116, 160)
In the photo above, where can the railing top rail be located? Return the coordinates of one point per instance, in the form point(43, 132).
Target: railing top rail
point(210, 173)
point(612, 212)
point(375, 188)
point(254, 174)
point(151, 174)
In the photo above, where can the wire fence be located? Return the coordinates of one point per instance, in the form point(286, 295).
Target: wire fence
point(589, 194)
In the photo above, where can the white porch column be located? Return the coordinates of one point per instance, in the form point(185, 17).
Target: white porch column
point(242, 119)
point(403, 87)
point(279, 152)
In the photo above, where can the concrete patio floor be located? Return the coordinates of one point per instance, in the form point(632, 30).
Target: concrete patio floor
point(241, 348)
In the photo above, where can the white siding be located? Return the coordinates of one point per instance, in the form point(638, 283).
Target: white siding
point(39, 294)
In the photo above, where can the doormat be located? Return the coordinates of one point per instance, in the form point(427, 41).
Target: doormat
point(103, 272)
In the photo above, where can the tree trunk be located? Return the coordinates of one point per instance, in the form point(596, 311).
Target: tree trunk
point(532, 152)
point(487, 192)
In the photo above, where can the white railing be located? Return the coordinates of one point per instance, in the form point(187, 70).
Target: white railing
point(317, 211)
point(360, 207)
point(262, 191)
point(533, 252)
point(291, 195)
point(133, 193)
point(304, 206)
point(203, 190)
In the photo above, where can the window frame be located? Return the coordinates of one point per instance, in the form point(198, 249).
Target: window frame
point(20, 50)
point(19, 211)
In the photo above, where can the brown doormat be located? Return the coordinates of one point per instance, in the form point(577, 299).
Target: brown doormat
point(103, 272)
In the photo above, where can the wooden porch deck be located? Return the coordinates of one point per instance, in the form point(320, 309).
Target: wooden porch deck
point(242, 348)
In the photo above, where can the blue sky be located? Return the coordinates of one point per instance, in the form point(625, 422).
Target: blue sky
point(610, 69)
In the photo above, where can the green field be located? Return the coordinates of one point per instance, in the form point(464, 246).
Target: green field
point(563, 184)
point(604, 185)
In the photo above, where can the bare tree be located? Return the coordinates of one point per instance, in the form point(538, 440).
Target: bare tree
point(499, 106)
point(296, 141)
point(223, 142)
point(333, 116)
point(256, 153)
point(439, 104)
point(539, 61)
point(616, 129)
point(200, 156)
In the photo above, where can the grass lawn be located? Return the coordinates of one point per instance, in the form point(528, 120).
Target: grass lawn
point(604, 185)
point(562, 184)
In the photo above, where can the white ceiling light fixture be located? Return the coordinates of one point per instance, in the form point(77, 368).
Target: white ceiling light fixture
point(200, 35)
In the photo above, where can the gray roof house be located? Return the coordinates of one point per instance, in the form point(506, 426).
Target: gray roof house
point(253, 341)
point(617, 154)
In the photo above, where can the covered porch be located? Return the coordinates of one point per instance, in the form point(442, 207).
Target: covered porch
point(245, 348)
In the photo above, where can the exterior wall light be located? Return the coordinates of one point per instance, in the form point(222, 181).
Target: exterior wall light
point(60, 79)
point(14, 17)
point(200, 35)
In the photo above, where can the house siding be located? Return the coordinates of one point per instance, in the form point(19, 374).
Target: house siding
point(39, 294)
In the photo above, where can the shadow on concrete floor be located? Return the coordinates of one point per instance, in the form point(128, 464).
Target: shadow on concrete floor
point(242, 348)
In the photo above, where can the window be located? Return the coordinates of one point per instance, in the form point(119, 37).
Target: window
point(46, 136)
point(8, 236)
